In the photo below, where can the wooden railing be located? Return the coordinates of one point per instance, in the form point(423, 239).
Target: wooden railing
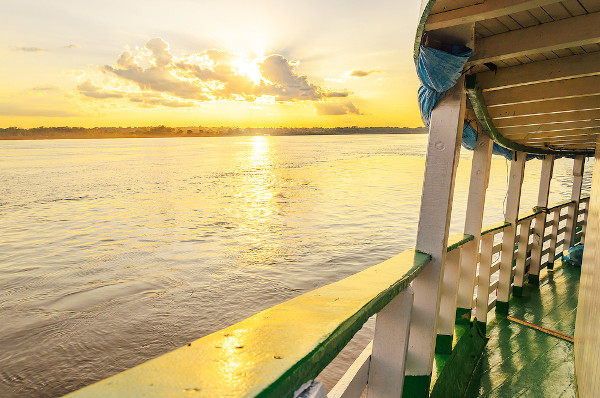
point(278, 352)
point(488, 279)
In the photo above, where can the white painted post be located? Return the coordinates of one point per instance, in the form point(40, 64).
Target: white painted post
point(480, 174)
point(521, 257)
point(553, 237)
point(513, 199)
point(483, 284)
point(443, 149)
point(573, 213)
point(392, 327)
point(585, 220)
point(447, 315)
point(540, 220)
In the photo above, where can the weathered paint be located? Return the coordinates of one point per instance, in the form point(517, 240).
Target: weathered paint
point(274, 352)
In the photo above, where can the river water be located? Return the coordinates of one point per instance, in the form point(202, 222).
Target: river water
point(115, 251)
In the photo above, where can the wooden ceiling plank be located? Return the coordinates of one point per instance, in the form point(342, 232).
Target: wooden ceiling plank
point(590, 5)
point(570, 32)
point(552, 118)
point(557, 11)
point(546, 107)
point(479, 12)
point(548, 127)
point(556, 134)
point(574, 7)
point(541, 71)
point(579, 87)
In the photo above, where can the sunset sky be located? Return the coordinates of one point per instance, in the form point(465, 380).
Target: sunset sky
point(233, 63)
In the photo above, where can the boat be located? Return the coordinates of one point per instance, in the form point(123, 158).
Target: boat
point(454, 308)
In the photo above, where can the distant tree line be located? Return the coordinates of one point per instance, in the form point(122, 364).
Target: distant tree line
point(15, 133)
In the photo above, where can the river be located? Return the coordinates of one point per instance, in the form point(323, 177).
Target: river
point(115, 251)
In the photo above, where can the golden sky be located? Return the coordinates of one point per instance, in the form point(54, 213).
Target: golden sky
point(212, 63)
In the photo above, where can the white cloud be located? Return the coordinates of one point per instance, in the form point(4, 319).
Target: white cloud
point(153, 76)
point(336, 109)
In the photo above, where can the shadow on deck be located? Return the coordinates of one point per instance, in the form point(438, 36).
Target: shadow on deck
point(519, 361)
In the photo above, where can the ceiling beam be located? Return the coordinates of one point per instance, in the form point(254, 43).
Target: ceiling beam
point(509, 131)
point(544, 107)
point(540, 72)
point(479, 12)
point(583, 86)
point(565, 33)
point(537, 120)
point(580, 132)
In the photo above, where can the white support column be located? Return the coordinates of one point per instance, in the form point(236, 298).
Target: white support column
point(513, 199)
point(389, 347)
point(573, 213)
point(553, 237)
point(480, 174)
point(443, 149)
point(483, 281)
point(585, 222)
point(540, 220)
point(521, 257)
point(447, 315)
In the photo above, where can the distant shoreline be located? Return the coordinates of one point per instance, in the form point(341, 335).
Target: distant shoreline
point(48, 133)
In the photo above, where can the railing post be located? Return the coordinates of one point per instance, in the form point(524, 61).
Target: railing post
point(523, 244)
point(389, 347)
point(553, 238)
point(584, 226)
point(573, 213)
point(447, 315)
point(513, 198)
point(480, 173)
point(483, 281)
point(443, 149)
point(540, 220)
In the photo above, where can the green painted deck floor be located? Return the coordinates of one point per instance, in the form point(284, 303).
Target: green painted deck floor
point(522, 362)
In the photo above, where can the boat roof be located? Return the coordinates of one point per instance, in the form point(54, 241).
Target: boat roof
point(533, 79)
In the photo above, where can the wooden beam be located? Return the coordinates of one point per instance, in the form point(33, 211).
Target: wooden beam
point(540, 219)
point(578, 87)
point(542, 71)
point(573, 211)
point(565, 33)
point(555, 134)
point(480, 175)
point(545, 107)
point(550, 118)
point(513, 199)
point(479, 12)
point(550, 127)
point(445, 135)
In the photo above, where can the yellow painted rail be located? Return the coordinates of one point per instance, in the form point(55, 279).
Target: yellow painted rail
point(274, 352)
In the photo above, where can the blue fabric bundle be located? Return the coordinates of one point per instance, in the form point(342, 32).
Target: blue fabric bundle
point(438, 72)
point(573, 255)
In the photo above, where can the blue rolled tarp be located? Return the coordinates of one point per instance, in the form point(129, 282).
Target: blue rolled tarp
point(438, 72)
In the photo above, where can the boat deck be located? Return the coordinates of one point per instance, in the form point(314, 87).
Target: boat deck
point(520, 361)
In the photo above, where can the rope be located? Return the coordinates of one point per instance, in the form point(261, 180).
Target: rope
point(542, 329)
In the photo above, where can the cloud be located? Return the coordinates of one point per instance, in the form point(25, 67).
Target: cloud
point(28, 110)
point(30, 49)
point(73, 46)
point(46, 87)
point(336, 109)
point(89, 90)
point(363, 73)
point(154, 76)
